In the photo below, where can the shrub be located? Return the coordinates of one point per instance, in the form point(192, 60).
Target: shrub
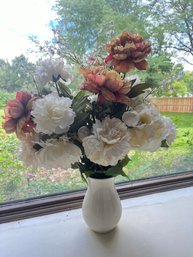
point(4, 97)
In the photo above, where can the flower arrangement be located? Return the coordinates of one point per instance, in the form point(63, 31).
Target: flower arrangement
point(95, 129)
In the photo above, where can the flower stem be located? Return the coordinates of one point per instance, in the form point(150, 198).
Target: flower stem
point(57, 89)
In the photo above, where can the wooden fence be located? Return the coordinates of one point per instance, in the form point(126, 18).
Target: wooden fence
point(174, 104)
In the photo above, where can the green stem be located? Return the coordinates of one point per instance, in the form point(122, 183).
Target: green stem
point(57, 89)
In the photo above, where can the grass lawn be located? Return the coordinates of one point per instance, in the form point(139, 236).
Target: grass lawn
point(17, 182)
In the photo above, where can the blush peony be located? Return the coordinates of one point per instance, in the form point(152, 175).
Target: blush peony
point(108, 84)
point(16, 110)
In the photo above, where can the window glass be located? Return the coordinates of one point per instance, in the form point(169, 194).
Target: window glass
point(79, 30)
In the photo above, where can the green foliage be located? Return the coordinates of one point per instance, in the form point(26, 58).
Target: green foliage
point(76, 81)
point(16, 75)
point(163, 162)
point(172, 25)
point(139, 89)
point(85, 25)
point(9, 151)
point(178, 89)
point(4, 97)
point(167, 23)
point(117, 19)
point(161, 65)
point(162, 74)
point(78, 22)
point(90, 169)
point(174, 89)
point(187, 79)
point(118, 169)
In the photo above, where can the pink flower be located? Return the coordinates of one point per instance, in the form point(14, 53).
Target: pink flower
point(108, 84)
point(23, 97)
point(18, 110)
point(14, 109)
point(9, 126)
point(25, 126)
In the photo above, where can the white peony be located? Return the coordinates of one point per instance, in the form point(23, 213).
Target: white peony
point(58, 154)
point(151, 130)
point(52, 70)
point(27, 154)
point(52, 114)
point(109, 142)
point(171, 134)
point(149, 137)
point(130, 118)
point(83, 132)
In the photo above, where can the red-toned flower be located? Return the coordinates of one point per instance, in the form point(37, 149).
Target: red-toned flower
point(108, 84)
point(23, 97)
point(25, 125)
point(9, 126)
point(128, 52)
point(16, 110)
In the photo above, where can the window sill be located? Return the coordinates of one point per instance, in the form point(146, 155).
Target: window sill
point(154, 225)
point(67, 201)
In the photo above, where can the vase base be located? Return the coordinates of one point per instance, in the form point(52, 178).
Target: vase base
point(103, 231)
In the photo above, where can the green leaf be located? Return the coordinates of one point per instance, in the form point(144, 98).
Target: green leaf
point(118, 169)
point(138, 89)
point(125, 161)
point(81, 119)
point(80, 94)
point(164, 143)
point(66, 92)
point(80, 102)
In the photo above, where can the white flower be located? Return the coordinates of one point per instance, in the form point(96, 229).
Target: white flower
point(52, 114)
point(130, 118)
point(151, 130)
point(27, 154)
point(147, 110)
point(171, 134)
point(58, 154)
point(51, 70)
point(109, 142)
point(149, 137)
point(83, 132)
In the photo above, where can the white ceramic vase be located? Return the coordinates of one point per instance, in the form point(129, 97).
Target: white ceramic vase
point(101, 207)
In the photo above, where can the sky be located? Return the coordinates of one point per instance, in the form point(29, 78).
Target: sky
point(19, 19)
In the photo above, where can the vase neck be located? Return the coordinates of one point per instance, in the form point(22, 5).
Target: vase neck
point(101, 182)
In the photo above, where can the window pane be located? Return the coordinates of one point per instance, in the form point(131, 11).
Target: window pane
point(79, 30)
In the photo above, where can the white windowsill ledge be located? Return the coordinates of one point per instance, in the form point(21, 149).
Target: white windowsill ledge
point(157, 225)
